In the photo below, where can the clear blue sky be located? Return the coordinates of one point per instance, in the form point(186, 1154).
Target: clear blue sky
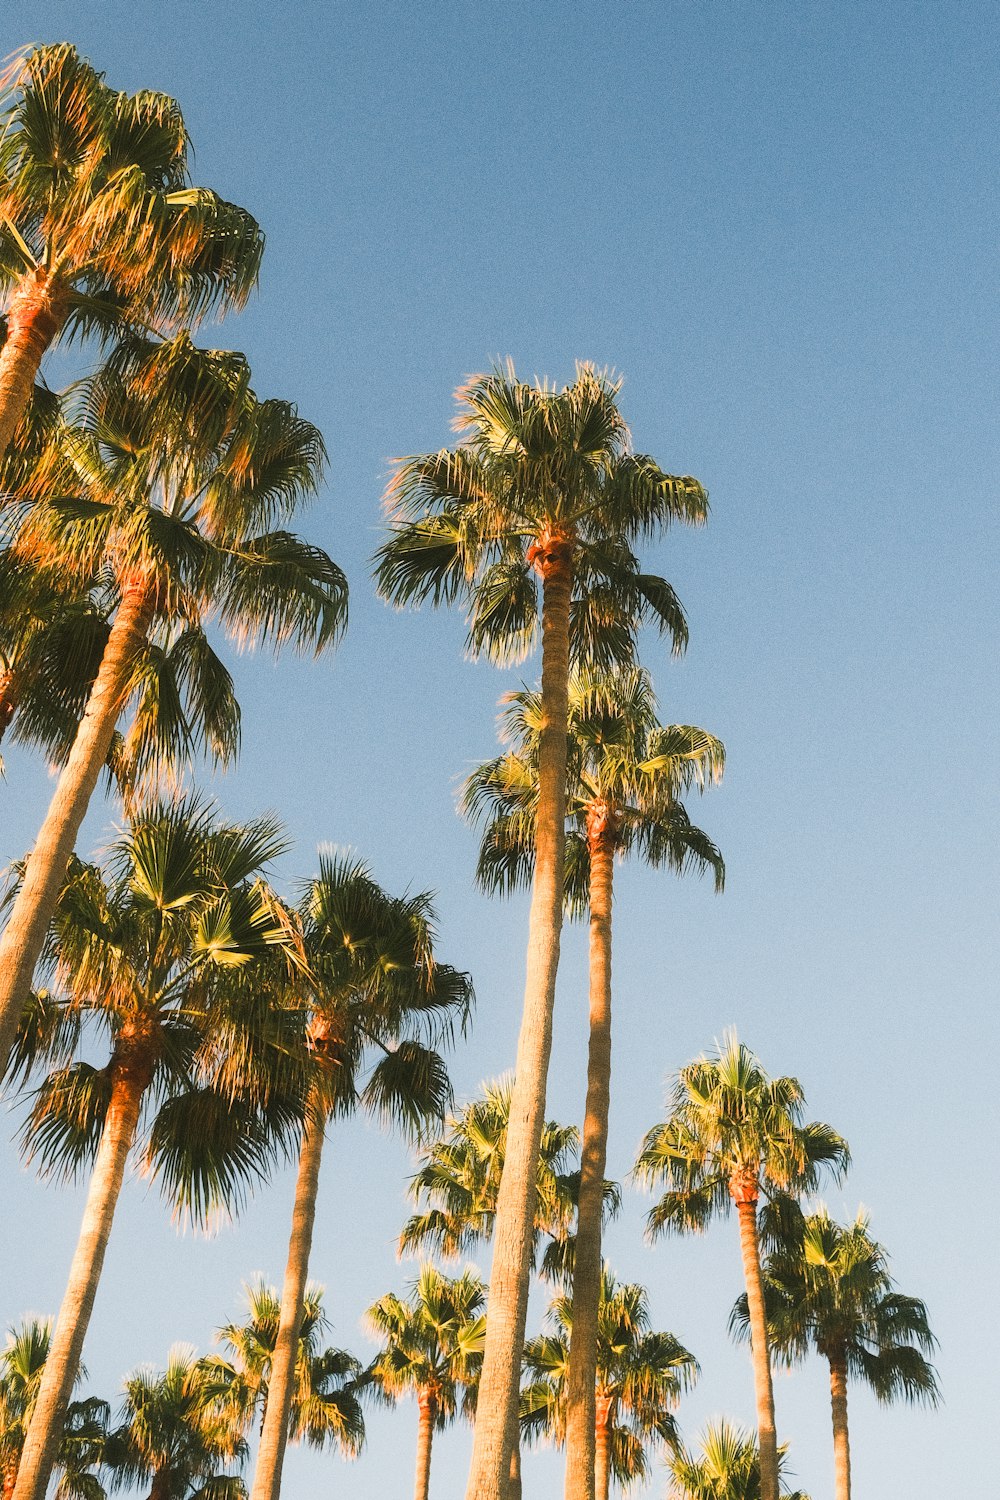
point(780, 222)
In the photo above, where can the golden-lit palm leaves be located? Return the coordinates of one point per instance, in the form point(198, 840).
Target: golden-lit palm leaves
point(99, 223)
point(640, 1377)
point(727, 1468)
point(22, 1363)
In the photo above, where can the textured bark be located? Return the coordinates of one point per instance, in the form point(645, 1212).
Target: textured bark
point(580, 1418)
point(131, 1072)
point(603, 1423)
point(514, 1481)
point(841, 1438)
point(281, 1384)
point(496, 1430)
point(746, 1205)
point(427, 1407)
point(24, 934)
point(8, 700)
point(36, 314)
point(9, 1479)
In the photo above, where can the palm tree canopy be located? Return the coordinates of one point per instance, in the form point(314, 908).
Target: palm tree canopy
point(163, 953)
point(375, 986)
point(432, 1342)
point(171, 1434)
point(828, 1288)
point(727, 1468)
point(326, 1408)
point(537, 468)
point(459, 1178)
point(733, 1133)
point(624, 769)
point(81, 1447)
point(96, 197)
point(641, 1375)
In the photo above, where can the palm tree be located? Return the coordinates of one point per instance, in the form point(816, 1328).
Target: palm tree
point(827, 1288)
point(733, 1134)
point(371, 985)
point(326, 1407)
point(165, 481)
point(625, 774)
point(172, 1438)
point(82, 1444)
point(101, 226)
point(639, 1377)
point(727, 1468)
point(542, 486)
point(158, 954)
point(432, 1348)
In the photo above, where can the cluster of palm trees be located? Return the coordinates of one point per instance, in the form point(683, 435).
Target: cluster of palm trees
point(170, 1007)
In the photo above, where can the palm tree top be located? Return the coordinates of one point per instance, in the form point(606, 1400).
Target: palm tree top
point(433, 1340)
point(727, 1467)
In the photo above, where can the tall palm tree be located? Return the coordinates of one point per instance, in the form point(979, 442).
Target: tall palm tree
point(542, 488)
point(326, 1407)
point(727, 1468)
point(172, 1438)
point(733, 1134)
point(827, 1288)
point(158, 954)
point(370, 986)
point(625, 774)
point(638, 1380)
point(101, 226)
point(164, 481)
point(432, 1348)
point(81, 1446)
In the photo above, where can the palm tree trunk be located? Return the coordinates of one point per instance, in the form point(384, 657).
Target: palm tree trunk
point(764, 1392)
point(281, 1385)
point(514, 1481)
point(36, 314)
point(131, 1073)
point(841, 1439)
point(24, 934)
point(8, 700)
point(425, 1437)
point(580, 1416)
point(496, 1430)
point(602, 1447)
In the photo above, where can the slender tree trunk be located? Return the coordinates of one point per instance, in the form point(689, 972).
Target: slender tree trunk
point(604, 1420)
point(580, 1416)
point(131, 1073)
point(746, 1204)
point(8, 700)
point(9, 1479)
point(36, 314)
point(841, 1439)
point(514, 1482)
point(427, 1407)
point(24, 934)
point(496, 1430)
point(281, 1385)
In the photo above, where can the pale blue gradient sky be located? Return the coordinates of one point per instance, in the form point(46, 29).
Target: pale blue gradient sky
point(780, 222)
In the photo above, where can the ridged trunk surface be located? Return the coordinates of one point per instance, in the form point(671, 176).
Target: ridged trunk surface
point(763, 1389)
point(281, 1385)
point(496, 1430)
point(36, 314)
point(604, 1420)
point(427, 1409)
point(841, 1437)
point(131, 1072)
point(32, 911)
point(580, 1418)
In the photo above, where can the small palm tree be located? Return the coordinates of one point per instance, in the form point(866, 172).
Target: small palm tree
point(431, 1348)
point(626, 773)
point(543, 488)
point(733, 1134)
point(159, 953)
point(727, 1468)
point(172, 1438)
point(164, 483)
point(827, 1288)
point(370, 985)
point(639, 1378)
point(326, 1407)
point(101, 226)
point(82, 1444)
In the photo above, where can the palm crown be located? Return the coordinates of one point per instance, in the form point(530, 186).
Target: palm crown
point(81, 1446)
point(432, 1341)
point(539, 473)
point(727, 1468)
